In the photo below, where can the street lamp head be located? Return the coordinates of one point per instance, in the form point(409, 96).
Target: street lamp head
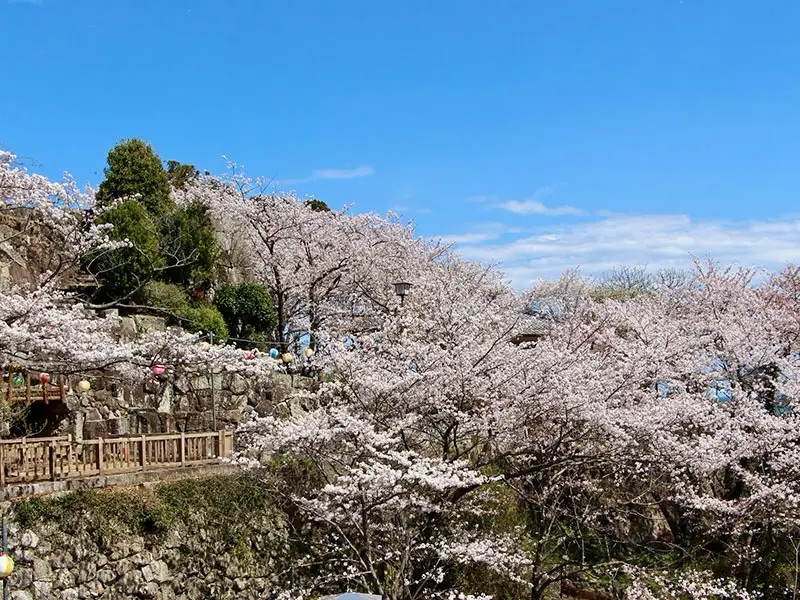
point(401, 289)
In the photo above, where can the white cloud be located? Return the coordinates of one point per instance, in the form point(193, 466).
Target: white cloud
point(343, 173)
point(410, 210)
point(536, 207)
point(468, 238)
point(480, 199)
point(364, 171)
point(529, 206)
point(654, 240)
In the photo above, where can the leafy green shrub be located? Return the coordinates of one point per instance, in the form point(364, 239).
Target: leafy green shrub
point(206, 319)
point(248, 310)
point(165, 295)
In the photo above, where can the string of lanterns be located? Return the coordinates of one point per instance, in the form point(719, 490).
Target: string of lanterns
point(16, 378)
point(84, 385)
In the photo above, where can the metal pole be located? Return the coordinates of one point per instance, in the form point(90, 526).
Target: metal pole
point(213, 393)
point(5, 549)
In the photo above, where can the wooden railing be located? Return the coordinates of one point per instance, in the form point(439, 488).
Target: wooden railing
point(31, 389)
point(49, 459)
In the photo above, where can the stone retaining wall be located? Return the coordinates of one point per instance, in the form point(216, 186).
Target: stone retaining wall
point(191, 561)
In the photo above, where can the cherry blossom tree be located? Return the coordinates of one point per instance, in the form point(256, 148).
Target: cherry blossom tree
point(648, 443)
point(610, 434)
point(45, 328)
point(316, 264)
point(59, 215)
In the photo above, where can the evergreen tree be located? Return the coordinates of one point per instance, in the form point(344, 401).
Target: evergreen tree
point(134, 169)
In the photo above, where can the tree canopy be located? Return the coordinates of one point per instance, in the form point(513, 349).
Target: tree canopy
point(435, 457)
point(247, 309)
point(134, 169)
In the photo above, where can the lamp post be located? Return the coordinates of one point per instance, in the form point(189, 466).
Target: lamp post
point(6, 564)
point(401, 288)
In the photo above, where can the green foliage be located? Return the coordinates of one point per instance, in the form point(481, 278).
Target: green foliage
point(248, 310)
point(123, 270)
point(171, 297)
point(228, 504)
point(103, 514)
point(165, 295)
point(134, 169)
point(172, 243)
point(189, 246)
point(206, 319)
point(317, 205)
point(180, 174)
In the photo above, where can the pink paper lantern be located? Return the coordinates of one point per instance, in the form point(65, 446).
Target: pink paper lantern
point(158, 369)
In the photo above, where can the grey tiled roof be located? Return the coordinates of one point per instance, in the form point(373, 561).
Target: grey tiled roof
point(533, 325)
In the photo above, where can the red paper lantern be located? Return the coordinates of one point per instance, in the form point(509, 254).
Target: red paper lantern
point(44, 378)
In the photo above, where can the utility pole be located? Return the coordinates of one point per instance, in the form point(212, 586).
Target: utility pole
point(5, 550)
point(213, 390)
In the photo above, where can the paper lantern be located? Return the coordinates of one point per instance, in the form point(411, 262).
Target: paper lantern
point(158, 369)
point(273, 353)
point(204, 345)
point(6, 565)
point(44, 378)
point(17, 380)
point(84, 386)
point(249, 356)
point(286, 357)
point(309, 352)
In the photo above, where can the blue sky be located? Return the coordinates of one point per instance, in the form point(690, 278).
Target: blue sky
point(542, 135)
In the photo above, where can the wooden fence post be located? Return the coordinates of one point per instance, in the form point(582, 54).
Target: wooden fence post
point(183, 448)
point(143, 453)
point(221, 444)
point(69, 455)
point(2, 465)
point(28, 387)
point(24, 454)
point(52, 460)
point(99, 455)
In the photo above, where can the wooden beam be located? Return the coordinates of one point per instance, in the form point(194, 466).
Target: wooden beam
point(99, 455)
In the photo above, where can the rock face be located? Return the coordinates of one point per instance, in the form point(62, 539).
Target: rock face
point(204, 556)
point(166, 404)
point(183, 404)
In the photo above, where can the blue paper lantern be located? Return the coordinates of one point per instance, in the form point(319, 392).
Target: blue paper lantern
point(274, 353)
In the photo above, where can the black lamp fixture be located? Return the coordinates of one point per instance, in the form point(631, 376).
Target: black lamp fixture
point(401, 288)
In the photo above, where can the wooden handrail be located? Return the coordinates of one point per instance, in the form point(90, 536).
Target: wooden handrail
point(33, 390)
point(29, 440)
point(42, 459)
